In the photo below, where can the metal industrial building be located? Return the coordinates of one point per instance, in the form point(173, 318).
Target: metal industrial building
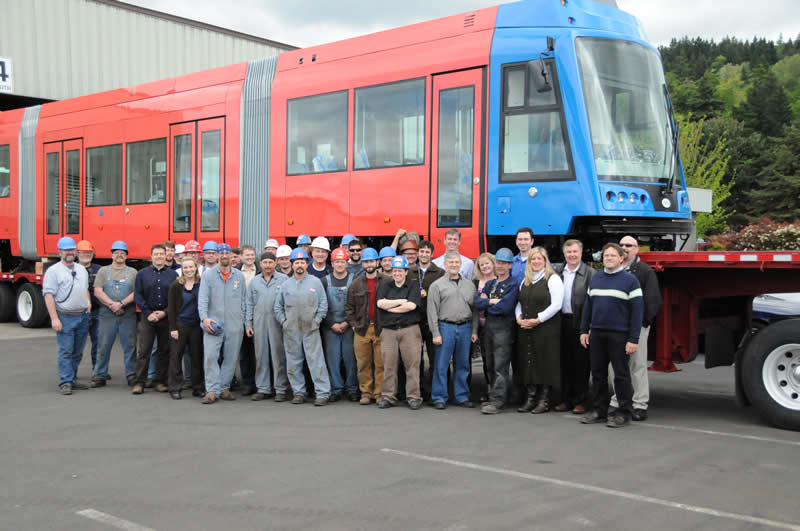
point(58, 49)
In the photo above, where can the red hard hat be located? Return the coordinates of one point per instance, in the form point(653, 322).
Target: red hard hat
point(338, 254)
point(193, 246)
point(85, 245)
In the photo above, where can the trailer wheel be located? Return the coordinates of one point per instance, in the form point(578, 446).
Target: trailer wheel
point(771, 373)
point(6, 302)
point(31, 311)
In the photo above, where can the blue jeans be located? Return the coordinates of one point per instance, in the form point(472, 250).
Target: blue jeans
point(93, 321)
point(338, 351)
point(110, 326)
point(455, 345)
point(71, 340)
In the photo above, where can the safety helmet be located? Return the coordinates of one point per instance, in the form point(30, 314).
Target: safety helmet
point(180, 249)
point(338, 254)
point(66, 244)
point(347, 238)
point(192, 246)
point(85, 245)
point(217, 327)
point(321, 242)
point(119, 245)
point(369, 254)
point(409, 244)
point(210, 245)
point(385, 252)
point(271, 243)
point(504, 255)
point(298, 254)
point(303, 239)
point(399, 262)
point(224, 248)
point(283, 251)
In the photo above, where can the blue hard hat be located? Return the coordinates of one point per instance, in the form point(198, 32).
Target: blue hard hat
point(224, 248)
point(504, 255)
point(66, 244)
point(347, 238)
point(369, 254)
point(119, 245)
point(385, 252)
point(217, 327)
point(304, 239)
point(399, 262)
point(298, 254)
point(210, 245)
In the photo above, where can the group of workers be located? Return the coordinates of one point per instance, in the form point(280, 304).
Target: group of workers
point(356, 323)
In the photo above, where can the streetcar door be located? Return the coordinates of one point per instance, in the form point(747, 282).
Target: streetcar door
point(63, 163)
point(197, 177)
point(457, 159)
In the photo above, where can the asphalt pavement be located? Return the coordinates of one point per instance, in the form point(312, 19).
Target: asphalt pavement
point(104, 459)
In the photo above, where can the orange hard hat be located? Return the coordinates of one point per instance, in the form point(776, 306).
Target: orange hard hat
point(409, 244)
point(338, 254)
point(85, 245)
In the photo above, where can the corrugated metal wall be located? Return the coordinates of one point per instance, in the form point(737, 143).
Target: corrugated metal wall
point(66, 48)
point(27, 182)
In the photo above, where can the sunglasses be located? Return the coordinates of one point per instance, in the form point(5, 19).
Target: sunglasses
point(355, 250)
point(627, 245)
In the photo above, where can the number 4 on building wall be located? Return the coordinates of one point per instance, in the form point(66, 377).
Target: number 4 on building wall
point(6, 83)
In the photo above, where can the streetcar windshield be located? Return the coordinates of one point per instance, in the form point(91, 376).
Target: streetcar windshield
point(623, 84)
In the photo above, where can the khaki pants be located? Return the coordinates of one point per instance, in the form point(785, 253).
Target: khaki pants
point(368, 359)
point(409, 342)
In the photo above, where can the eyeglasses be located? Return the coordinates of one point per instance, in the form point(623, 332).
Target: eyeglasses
point(355, 250)
point(627, 245)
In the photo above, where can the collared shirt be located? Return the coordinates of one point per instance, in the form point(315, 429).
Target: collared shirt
point(518, 267)
point(467, 265)
point(451, 300)
point(249, 274)
point(69, 286)
point(152, 289)
point(569, 280)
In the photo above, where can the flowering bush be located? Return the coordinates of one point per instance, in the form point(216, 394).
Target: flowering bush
point(766, 235)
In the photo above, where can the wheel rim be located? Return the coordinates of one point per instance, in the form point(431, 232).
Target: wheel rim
point(24, 305)
point(781, 375)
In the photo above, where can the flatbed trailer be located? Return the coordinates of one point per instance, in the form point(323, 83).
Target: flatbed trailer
point(707, 309)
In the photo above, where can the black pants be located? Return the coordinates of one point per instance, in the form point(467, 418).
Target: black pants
point(609, 346)
point(247, 362)
point(575, 364)
point(487, 356)
point(148, 332)
point(191, 336)
point(500, 345)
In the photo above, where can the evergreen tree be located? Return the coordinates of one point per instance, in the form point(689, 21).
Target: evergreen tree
point(767, 108)
point(777, 193)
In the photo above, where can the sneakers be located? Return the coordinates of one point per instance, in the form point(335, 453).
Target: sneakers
point(98, 382)
point(439, 405)
point(281, 397)
point(321, 401)
point(66, 389)
point(617, 421)
point(298, 399)
point(77, 386)
point(137, 389)
point(639, 415)
point(176, 395)
point(160, 388)
point(365, 400)
point(226, 395)
point(489, 409)
point(467, 404)
point(210, 398)
point(414, 404)
point(593, 418)
point(259, 396)
point(385, 404)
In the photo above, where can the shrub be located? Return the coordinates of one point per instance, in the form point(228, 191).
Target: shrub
point(766, 235)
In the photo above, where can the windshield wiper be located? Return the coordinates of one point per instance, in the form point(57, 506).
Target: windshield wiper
point(673, 125)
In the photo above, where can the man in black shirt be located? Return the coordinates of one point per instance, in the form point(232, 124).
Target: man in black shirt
point(397, 306)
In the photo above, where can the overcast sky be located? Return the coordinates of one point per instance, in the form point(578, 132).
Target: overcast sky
point(309, 22)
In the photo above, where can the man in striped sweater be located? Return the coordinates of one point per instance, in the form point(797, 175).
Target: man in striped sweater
point(610, 328)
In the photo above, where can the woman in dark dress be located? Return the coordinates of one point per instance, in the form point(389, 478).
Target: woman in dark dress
point(539, 318)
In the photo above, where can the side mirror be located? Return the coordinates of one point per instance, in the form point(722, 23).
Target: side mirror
point(540, 76)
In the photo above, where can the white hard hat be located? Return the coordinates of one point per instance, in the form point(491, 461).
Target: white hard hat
point(283, 251)
point(271, 243)
point(321, 242)
point(180, 249)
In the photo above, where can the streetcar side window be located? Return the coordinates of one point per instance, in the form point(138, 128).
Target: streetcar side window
point(534, 144)
point(146, 171)
point(316, 140)
point(390, 125)
point(104, 176)
point(5, 171)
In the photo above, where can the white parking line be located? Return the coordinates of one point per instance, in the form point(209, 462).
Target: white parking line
point(649, 424)
point(599, 490)
point(111, 520)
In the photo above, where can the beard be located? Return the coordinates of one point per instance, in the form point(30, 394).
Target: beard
point(69, 259)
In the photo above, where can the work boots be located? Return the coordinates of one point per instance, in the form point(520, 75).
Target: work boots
point(543, 405)
point(530, 403)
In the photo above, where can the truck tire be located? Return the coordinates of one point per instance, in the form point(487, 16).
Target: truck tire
point(7, 300)
point(771, 373)
point(31, 311)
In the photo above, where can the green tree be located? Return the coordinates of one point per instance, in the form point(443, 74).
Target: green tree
point(767, 108)
point(732, 88)
point(705, 164)
point(787, 73)
point(777, 193)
